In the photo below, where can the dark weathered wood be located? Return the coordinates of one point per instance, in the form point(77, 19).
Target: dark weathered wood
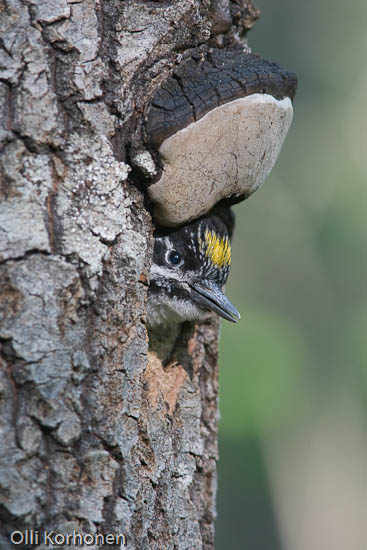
point(209, 79)
point(95, 435)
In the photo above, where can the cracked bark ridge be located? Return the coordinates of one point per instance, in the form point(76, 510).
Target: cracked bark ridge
point(206, 81)
point(231, 20)
point(243, 14)
point(89, 440)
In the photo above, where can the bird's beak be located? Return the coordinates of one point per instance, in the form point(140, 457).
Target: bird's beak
point(208, 295)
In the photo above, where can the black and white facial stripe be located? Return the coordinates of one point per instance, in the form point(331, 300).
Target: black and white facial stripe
point(190, 266)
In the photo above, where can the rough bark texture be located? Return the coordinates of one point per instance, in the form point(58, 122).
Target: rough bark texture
point(95, 436)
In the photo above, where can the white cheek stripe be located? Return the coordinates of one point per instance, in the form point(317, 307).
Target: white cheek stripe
point(172, 274)
point(165, 272)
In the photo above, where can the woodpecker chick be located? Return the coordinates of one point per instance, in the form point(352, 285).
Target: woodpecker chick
point(190, 267)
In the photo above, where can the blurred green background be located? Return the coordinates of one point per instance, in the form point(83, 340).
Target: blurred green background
point(292, 371)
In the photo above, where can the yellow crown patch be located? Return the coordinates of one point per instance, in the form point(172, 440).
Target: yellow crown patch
point(218, 249)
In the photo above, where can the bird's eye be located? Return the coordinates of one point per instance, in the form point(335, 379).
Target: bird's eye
point(174, 257)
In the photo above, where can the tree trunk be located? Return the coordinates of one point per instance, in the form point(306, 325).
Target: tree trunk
point(97, 435)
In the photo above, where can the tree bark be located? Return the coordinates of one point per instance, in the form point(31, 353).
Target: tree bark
point(97, 434)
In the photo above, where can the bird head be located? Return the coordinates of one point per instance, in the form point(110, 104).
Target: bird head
point(190, 266)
